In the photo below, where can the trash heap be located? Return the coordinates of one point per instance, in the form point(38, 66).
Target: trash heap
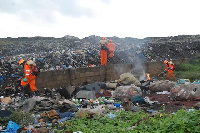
point(161, 85)
point(186, 92)
point(47, 111)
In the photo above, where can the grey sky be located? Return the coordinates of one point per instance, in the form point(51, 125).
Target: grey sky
point(29, 10)
point(81, 18)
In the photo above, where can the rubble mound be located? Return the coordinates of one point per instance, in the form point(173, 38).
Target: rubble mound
point(127, 91)
point(161, 85)
point(186, 92)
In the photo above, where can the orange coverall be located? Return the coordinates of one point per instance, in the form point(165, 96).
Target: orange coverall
point(170, 71)
point(30, 78)
point(103, 57)
point(104, 49)
point(111, 47)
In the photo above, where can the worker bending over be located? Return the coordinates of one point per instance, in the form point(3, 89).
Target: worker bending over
point(30, 72)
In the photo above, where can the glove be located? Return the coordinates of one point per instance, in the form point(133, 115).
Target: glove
point(25, 79)
point(164, 71)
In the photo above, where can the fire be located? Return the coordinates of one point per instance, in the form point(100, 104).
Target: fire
point(148, 76)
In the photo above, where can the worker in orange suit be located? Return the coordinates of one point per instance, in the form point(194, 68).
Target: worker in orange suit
point(29, 74)
point(111, 48)
point(104, 49)
point(170, 70)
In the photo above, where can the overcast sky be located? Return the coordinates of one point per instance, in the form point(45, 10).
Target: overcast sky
point(82, 18)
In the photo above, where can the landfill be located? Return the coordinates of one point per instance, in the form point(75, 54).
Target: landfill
point(43, 112)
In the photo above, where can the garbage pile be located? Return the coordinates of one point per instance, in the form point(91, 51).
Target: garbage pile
point(46, 111)
point(161, 85)
point(186, 92)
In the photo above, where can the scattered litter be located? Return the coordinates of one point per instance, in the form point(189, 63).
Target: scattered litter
point(164, 92)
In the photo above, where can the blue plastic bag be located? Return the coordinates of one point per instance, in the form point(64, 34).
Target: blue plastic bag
point(12, 127)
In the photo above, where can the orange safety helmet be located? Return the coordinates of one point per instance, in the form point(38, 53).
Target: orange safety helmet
point(104, 38)
point(21, 61)
point(110, 40)
point(165, 62)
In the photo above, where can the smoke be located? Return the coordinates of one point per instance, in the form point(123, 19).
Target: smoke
point(120, 69)
point(139, 65)
point(140, 68)
point(133, 54)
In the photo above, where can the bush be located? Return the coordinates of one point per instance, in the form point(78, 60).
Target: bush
point(181, 121)
point(188, 71)
point(187, 67)
point(187, 75)
point(19, 117)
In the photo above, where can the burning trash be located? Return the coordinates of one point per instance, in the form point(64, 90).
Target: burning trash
point(148, 76)
point(145, 83)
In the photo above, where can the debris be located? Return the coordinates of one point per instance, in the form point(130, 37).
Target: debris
point(83, 94)
point(66, 101)
point(137, 99)
point(183, 81)
point(136, 108)
point(164, 92)
point(43, 130)
point(128, 79)
point(148, 101)
point(12, 127)
point(31, 103)
point(100, 110)
point(6, 100)
point(67, 108)
point(96, 87)
point(50, 114)
point(111, 107)
point(185, 92)
point(162, 85)
point(110, 115)
point(127, 91)
point(64, 92)
point(127, 104)
point(112, 85)
point(117, 105)
point(197, 106)
point(5, 113)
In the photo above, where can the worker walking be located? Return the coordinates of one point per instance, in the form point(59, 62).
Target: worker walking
point(170, 70)
point(30, 72)
point(104, 49)
point(111, 48)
